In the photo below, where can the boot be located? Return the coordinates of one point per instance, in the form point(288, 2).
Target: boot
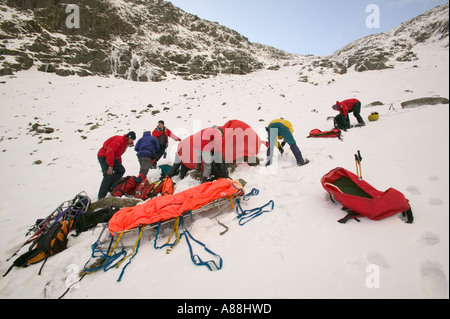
point(140, 178)
point(298, 155)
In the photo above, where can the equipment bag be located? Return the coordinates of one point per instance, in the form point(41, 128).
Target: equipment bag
point(147, 190)
point(143, 189)
point(341, 122)
point(125, 186)
point(327, 134)
point(167, 188)
point(359, 198)
point(48, 244)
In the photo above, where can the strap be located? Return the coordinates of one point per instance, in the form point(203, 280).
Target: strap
point(245, 216)
point(168, 244)
point(350, 215)
point(211, 264)
point(134, 253)
point(409, 216)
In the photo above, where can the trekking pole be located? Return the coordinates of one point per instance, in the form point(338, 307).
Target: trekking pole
point(359, 163)
point(357, 166)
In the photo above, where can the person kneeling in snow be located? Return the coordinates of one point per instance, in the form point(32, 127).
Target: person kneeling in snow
point(283, 129)
point(199, 151)
point(146, 147)
point(110, 159)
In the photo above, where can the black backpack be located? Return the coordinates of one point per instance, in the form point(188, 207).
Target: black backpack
point(341, 122)
point(50, 243)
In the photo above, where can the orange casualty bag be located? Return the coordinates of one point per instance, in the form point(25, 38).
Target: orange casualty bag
point(167, 207)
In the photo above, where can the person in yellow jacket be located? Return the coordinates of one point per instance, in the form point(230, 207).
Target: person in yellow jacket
point(281, 130)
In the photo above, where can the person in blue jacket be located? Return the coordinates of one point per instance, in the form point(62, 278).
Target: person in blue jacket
point(145, 148)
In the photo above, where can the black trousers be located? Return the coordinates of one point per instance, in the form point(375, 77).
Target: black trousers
point(357, 112)
point(108, 180)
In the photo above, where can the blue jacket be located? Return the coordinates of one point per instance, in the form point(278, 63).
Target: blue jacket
point(147, 145)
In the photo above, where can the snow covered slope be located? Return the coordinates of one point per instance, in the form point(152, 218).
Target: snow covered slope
point(298, 250)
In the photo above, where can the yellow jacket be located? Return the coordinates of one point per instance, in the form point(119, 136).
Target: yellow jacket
point(287, 124)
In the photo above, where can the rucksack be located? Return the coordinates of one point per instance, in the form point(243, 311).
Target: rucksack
point(147, 190)
point(143, 189)
point(125, 186)
point(68, 210)
point(167, 188)
point(327, 134)
point(341, 122)
point(50, 243)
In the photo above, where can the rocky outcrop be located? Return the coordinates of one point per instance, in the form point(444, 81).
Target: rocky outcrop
point(132, 39)
point(382, 51)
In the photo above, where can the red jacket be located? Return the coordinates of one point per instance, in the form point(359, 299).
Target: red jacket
point(190, 148)
point(156, 133)
point(113, 149)
point(346, 106)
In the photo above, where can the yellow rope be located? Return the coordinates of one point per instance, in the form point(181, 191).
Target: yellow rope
point(134, 248)
point(115, 245)
point(174, 230)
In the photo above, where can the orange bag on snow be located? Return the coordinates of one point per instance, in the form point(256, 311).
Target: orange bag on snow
point(166, 207)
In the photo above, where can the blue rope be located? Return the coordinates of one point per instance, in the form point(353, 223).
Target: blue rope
point(109, 260)
point(211, 264)
point(246, 216)
point(129, 261)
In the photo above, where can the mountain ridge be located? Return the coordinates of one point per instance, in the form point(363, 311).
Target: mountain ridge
point(154, 40)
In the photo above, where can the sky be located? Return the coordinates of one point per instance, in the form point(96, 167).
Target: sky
point(318, 27)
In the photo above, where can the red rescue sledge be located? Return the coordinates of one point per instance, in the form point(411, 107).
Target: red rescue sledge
point(359, 198)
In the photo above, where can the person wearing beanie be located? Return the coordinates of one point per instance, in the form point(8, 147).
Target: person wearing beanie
point(283, 129)
point(110, 159)
point(346, 107)
point(162, 134)
point(145, 148)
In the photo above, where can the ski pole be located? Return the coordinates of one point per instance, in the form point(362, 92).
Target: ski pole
point(359, 162)
point(357, 167)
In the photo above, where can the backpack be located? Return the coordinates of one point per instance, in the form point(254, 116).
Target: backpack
point(125, 186)
point(340, 122)
point(167, 188)
point(328, 134)
point(50, 243)
point(147, 190)
point(143, 189)
point(68, 210)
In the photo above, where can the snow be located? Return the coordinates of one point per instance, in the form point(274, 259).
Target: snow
point(296, 251)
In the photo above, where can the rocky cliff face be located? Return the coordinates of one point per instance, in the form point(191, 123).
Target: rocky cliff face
point(382, 51)
point(132, 39)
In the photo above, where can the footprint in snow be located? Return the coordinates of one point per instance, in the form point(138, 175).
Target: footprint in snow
point(435, 201)
point(433, 281)
point(413, 190)
point(376, 258)
point(429, 239)
point(433, 178)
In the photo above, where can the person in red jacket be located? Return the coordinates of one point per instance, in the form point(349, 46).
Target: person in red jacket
point(197, 151)
point(110, 159)
point(162, 134)
point(349, 106)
